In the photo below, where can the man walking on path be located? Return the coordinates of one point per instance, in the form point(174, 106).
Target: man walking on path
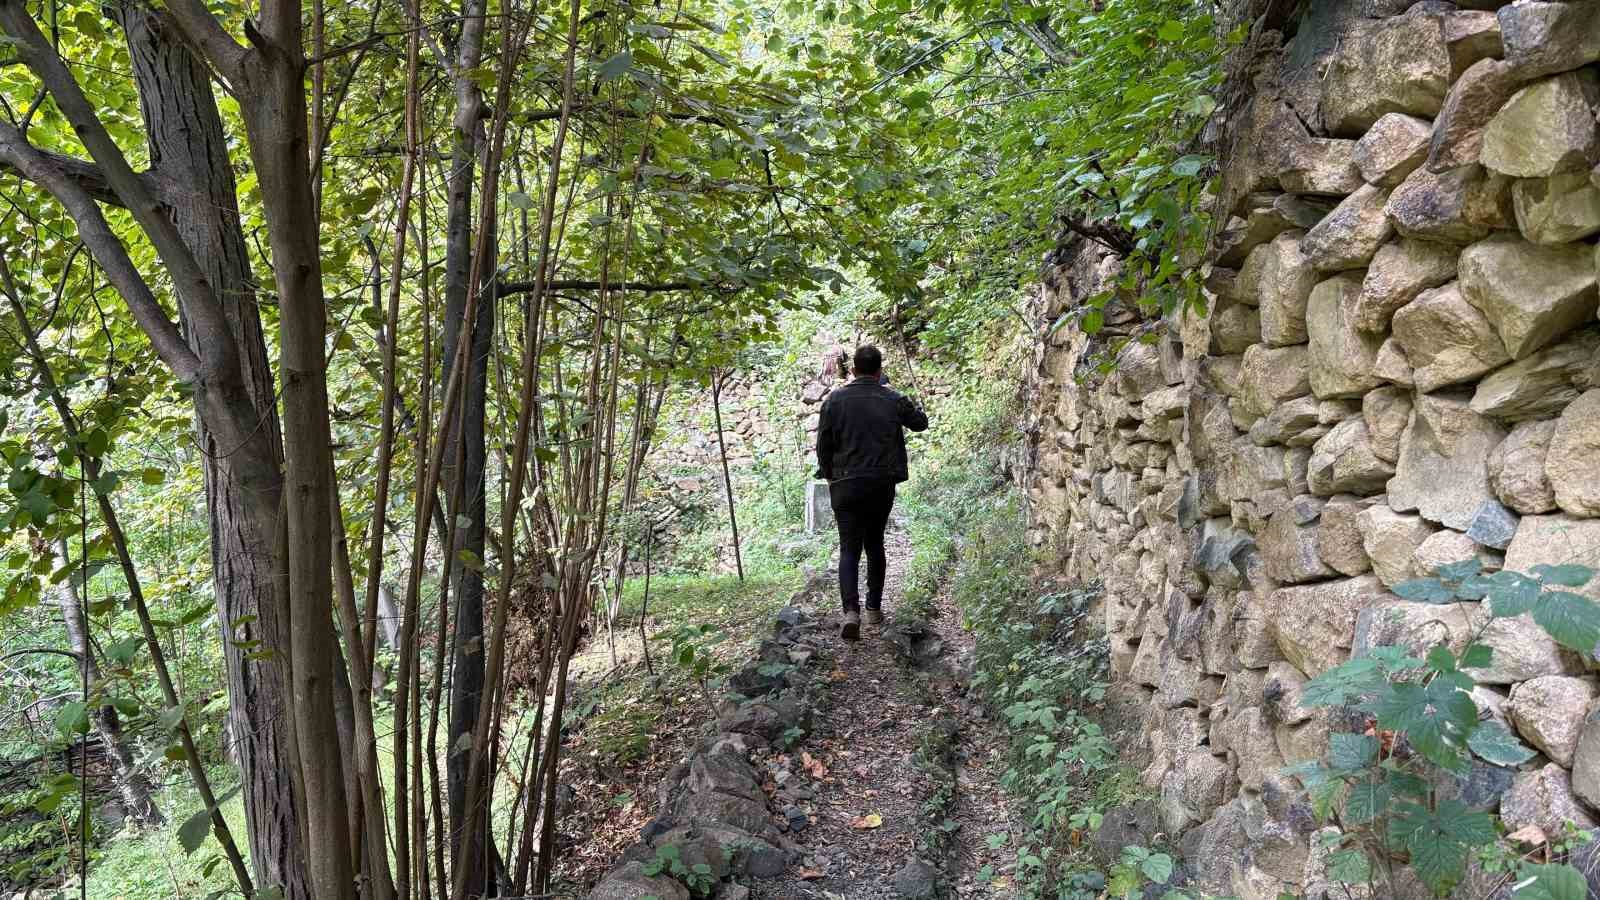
point(861, 450)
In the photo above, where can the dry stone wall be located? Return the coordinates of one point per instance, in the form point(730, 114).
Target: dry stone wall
point(1400, 367)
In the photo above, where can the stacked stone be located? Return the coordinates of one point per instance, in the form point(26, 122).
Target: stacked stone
point(1400, 368)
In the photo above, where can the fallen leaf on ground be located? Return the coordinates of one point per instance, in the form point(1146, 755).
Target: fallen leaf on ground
point(1528, 834)
point(813, 765)
point(812, 874)
point(870, 820)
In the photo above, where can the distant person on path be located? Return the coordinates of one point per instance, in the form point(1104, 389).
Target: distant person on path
point(861, 450)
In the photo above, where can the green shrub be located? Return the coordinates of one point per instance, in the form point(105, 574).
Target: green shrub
point(1381, 784)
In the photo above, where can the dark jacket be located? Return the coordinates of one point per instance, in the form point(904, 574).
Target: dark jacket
point(860, 434)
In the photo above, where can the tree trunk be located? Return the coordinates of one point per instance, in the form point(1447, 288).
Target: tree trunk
point(133, 786)
point(243, 481)
point(467, 485)
point(274, 108)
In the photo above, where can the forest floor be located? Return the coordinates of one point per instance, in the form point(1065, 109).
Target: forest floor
point(900, 764)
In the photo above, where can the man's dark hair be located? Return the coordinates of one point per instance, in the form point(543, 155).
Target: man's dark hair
point(868, 360)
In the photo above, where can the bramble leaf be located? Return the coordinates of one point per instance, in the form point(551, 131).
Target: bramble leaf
point(1573, 620)
point(1495, 743)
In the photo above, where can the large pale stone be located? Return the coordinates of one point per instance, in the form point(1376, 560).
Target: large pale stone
point(1558, 209)
point(1266, 215)
point(1398, 273)
point(1540, 38)
point(1545, 128)
point(1386, 411)
point(1138, 370)
point(1234, 328)
point(1573, 461)
point(1417, 627)
point(1392, 365)
point(1313, 623)
point(1290, 418)
point(1271, 375)
point(1399, 64)
point(1289, 544)
point(1516, 468)
point(1352, 233)
point(1457, 206)
point(1473, 100)
point(1549, 711)
point(1532, 294)
point(1443, 471)
point(1586, 761)
point(1447, 339)
point(1394, 146)
point(1543, 798)
point(1282, 289)
point(1444, 547)
point(1281, 690)
point(1344, 461)
point(1324, 167)
point(1520, 650)
point(1556, 540)
point(1544, 383)
point(1339, 535)
point(1472, 35)
point(1390, 539)
point(1341, 357)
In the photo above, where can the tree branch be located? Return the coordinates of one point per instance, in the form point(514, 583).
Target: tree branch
point(507, 288)
point(205, 313)
point(85, 174)
point(41, 169)
point(202, 29)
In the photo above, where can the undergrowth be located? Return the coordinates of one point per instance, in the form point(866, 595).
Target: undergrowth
point(1040, 666)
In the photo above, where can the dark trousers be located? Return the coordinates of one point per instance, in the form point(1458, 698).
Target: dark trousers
point(861, 507)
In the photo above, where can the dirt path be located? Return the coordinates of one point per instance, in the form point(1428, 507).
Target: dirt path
point(899, 766)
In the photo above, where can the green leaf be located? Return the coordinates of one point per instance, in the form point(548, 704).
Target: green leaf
point(1188, 166)
point(1359, 677)
point(1460, 571)
point(1477, 656)
point(1171, 30)
point(1350, 752)
point(1436, 719)
point(1566, 575)
point(1425, 590)
point(1512, 593)
point(1550, 881)
point(152, 475)
point(1495, 743)
point(1157, 867)
point(1093, 321)
point(72, 719)
point(1441, 660)
point(1367, 800)
point(192, 833)
point(1573, 620)
point(615, 67)
point(123, 651)
point(1439, 840)
point(1350, 867)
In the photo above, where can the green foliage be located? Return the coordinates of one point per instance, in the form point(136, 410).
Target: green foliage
point(1138, 867)
point(1382, 786)
point(697, 877)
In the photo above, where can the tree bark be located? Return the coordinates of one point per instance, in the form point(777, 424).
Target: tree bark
point(466, 485)
point(243, 481)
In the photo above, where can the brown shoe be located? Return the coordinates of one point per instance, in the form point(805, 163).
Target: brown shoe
point(873, 616)
point(851, 630)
